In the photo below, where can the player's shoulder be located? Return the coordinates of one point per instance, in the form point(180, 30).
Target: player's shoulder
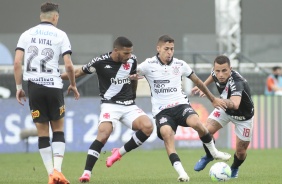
point(151, 60)
point(102, 57)
point(236, 76)
point(178, 61)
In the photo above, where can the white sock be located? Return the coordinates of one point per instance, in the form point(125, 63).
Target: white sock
point(211, 148)
point(58, 154)
point(87, 172)
point(179, 168)
point(122, 151)
point(46, 155)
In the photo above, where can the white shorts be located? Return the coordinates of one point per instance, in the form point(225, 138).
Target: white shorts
point(119, 113)
point(243, 129)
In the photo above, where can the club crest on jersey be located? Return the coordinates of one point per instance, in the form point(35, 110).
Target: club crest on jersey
point(175, 70)
point(126, 66)
point(35, 114)
point(163, 120)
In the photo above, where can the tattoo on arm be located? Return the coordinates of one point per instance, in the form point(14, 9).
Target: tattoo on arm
point(229, 103)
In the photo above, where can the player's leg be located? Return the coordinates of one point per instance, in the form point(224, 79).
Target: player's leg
point(244, 131)
point(167, 134)
point(194, 122)
point(104, 131)
point(37, 97)
point(44, 146)
point(138, 121)
point(56, 112)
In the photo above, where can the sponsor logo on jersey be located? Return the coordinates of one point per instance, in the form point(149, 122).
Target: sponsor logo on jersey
point(239, 118)
point(168, 106)
point(237, 93)
point(107, 66)
point(120, 81)
point(187, 110)
point(35, 114)
point(127, 102)
point(43, 32)
point(166, 90)
point(42, 81)
point(103, 57)
point(232, 84)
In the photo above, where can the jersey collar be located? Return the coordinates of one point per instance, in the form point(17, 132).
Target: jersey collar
point(45, 22)
point(162, 62)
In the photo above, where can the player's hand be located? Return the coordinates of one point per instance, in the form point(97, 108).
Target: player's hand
point(135, 77)
point(20, 95)
point(74, 90)
point(219, 103)
point(195, 90)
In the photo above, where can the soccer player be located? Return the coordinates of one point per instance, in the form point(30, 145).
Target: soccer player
point(171, 107)
point(235, 91)
point(40, 47)
point(117, 93)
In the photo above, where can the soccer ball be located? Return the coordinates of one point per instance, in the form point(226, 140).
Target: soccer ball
point(220, 171)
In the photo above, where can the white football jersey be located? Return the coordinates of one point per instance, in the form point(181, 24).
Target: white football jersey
point(165, 82)
point(42, 46)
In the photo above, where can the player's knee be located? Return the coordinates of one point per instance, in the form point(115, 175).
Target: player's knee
point(147, 127)
point(166, 132)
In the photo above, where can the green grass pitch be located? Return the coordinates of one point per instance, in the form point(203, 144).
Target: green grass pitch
point(143, 167)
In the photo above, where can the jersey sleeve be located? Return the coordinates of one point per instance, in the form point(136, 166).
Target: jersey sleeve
point(142, 68)
point(22, 43)
point(187, 71)
point(134, 66)
point(90, 67)
point(66, 46)
point(236, 88)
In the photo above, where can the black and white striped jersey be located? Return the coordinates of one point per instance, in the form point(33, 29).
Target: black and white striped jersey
point(238, 86)
point(114, 83)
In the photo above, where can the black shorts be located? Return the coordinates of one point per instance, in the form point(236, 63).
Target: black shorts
point(173, 117)
point(45, 103)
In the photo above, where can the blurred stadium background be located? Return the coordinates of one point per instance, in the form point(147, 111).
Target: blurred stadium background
point(249, 32)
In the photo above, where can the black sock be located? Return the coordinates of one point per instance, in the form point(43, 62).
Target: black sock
point(236, 162)
point(58, 137)
point(136, 140)
point(173, 158)
point(206, 138)
point(93, 156)
point(43, 142)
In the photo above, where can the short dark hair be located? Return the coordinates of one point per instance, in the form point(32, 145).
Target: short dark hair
point(122, 42)
point(221, 60)
point(49, 7)
point(165, 38)
point(276, 68)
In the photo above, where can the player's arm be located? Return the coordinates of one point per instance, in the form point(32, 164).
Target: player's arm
point(70, 72)
point(18, 75)
point(78, 72)
point(233, 102)
point(134, 87)
point(196, 90)
point(215, 101)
